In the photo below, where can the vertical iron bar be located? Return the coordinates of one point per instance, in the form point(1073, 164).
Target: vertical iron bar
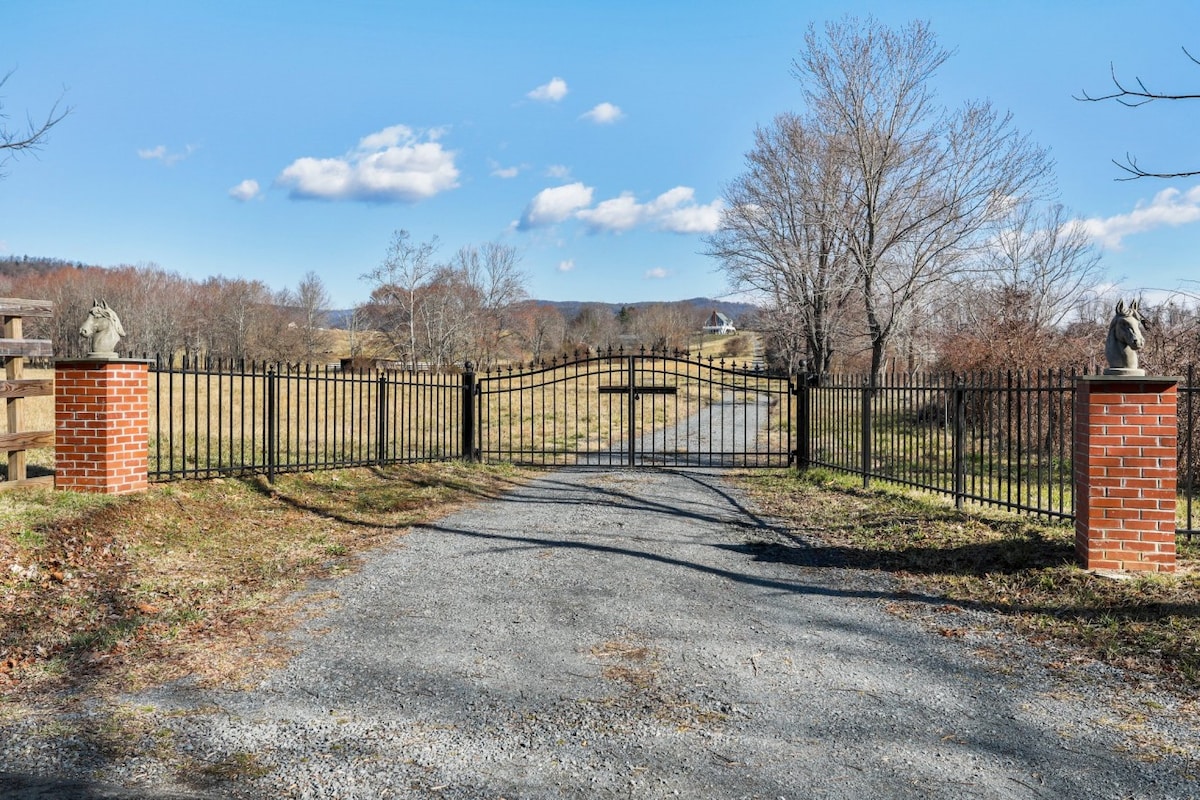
point(631, 458)
point(269, 414)
point(866, 433)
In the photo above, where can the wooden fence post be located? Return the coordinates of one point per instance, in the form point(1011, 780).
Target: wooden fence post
point(15, 387)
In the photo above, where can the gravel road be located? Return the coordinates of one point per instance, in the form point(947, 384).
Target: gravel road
point(639, 634)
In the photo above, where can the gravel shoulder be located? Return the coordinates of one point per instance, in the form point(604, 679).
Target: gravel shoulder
point(608, 633)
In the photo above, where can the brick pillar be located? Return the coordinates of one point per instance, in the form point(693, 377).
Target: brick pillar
point(102, 426)
point(1125, 472)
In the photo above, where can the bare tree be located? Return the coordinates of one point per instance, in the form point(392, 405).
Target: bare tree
point(15, 141)
point(924, 184)
point(1134, 95)
point(665, 326)
point(781, 236)
point(493, 284)
point(540, 327)
point(595, 327)
point(229, 317)
point(405, 269)
point(309, 307)
point(1045, 255)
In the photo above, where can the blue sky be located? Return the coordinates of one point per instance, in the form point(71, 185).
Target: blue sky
point(266, 140)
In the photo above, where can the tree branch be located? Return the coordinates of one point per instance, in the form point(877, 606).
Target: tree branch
point(1134, 97)
point(1131, 166)
point(14, 142)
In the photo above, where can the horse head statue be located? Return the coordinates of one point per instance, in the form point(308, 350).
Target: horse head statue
point(103, 329)
point(1124, 340)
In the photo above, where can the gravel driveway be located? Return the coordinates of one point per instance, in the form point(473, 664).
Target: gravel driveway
point(643, 634)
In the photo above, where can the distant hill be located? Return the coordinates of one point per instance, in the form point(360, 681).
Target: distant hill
point(571, 308)
point(734, 310)
point(19, 266)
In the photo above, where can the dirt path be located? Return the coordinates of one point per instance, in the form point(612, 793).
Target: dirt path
point(605, 634)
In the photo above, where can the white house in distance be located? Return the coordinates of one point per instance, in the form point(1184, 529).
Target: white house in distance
point(719, 323)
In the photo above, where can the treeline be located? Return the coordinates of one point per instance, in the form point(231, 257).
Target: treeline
point(168, 314)
point(422, 311)
point(474, 307)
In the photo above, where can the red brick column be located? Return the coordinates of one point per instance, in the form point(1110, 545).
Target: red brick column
point(102, 426)
point(1125, 472)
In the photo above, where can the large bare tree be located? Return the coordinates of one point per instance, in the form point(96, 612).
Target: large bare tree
point(445, 313)
point(781, 236)
point(925, 184)
point(493, 285)
point(399, 278)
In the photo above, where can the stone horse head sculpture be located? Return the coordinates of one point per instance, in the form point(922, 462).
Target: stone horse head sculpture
point(1124, 340)
point(103, 329)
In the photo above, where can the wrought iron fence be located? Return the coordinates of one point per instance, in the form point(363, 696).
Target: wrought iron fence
point(1002, 439)
point(211, 418)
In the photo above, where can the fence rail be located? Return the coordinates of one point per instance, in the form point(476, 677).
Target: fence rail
point(211, 418)
point(1002, 440)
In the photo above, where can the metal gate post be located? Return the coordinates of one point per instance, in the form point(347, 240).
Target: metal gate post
point(632, 459)
point(468, 414)
point(381, 426)
point(803, 415)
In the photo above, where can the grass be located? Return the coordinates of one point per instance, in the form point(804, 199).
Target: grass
point(1013, 566)
point(101, 595)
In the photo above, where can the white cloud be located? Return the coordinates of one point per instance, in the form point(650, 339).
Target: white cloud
point(567, 265)
point(550, 92)
point(246, 190)
point(1169, 208)
point(396, 164)
point(551, 206)
point(160, 153)
point(656, 274)
point(505, 172)
point(674, 210)
point(603, 114)
point(616, 215)
point(558, 172)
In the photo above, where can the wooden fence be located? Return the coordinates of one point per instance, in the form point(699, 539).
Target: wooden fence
point(14, 349)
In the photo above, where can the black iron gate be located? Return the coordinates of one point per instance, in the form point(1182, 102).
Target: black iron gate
point(644, 409)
